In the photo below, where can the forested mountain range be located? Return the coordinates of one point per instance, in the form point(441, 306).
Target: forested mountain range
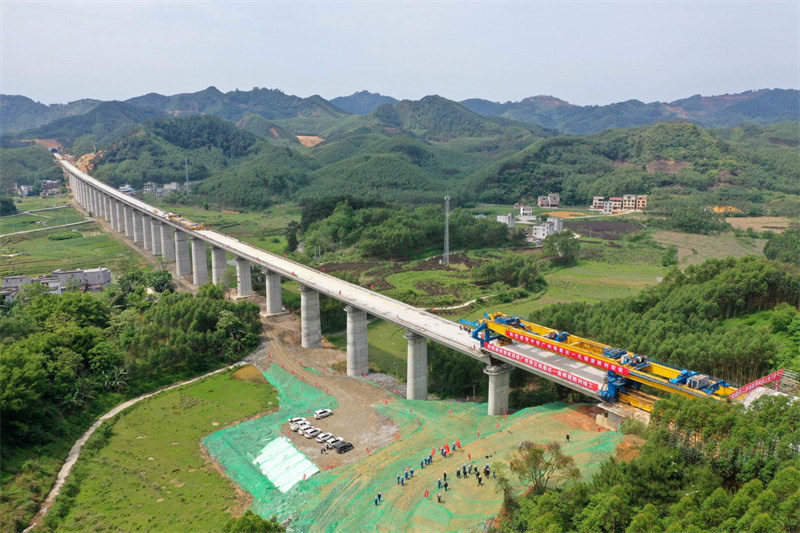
point(243, 151)
point(316, 116)
point(763, 107)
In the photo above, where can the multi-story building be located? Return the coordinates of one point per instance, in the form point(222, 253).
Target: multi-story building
point(549, 200)
point(628, 202)
point(149, 187)
point(525, 211)
point(542, 231)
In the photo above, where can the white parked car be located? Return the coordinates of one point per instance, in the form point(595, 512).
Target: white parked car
point(296, 419)
point(311, 432)
point(300, 426)
point(322, 413)
point(322, 437)
point(333, 442)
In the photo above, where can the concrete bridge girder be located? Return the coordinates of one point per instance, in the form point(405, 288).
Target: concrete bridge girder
point(174, 243)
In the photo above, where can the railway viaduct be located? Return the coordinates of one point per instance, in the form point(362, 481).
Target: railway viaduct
point(148, 226)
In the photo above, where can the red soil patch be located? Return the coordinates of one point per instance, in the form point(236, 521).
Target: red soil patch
point(629, 447)
point(309, 140)
point(581, 417)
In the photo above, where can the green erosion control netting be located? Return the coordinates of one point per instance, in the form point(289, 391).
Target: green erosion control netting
point(343, 498)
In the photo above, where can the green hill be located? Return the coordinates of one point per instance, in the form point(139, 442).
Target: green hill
point(745, 167)
point(20, 113)
point(765, 106)
point(362, 102)
point(235, 105)
point(105, 122)
point(266, 129)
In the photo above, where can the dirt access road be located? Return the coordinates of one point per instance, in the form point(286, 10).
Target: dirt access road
point(355, 419)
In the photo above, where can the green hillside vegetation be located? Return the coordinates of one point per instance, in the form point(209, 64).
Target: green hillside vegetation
point(703, 466)
point(747, 167)
point(105, 122)
point(235, 105)
point(436, 119)
point(66, 358)
point(26, 166)
point(20, 113)
point(362, 102)
point(784, 246)
point(764, 107)
point(390, 233)
point(266, 129)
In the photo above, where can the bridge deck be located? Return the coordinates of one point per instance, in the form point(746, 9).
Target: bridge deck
point(433, 327)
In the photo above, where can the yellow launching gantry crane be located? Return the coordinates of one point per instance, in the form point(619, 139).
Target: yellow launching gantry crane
point(185, 222)
point(627, 372)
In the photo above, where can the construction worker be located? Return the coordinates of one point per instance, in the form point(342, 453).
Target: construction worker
point(398, 479)
point(458, 474)
point(445, 486)
point(444, 476)
point(380, 496)
point(438, 483)
point(567, 437)
point(438, 498)
point(479, 480)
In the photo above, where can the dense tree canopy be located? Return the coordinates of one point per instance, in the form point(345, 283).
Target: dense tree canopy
point(704, 466)
point(61, 352)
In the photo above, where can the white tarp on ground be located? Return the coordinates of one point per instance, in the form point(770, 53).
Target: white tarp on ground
point(283, 464)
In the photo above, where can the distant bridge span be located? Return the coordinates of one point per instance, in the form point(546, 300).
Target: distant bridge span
point(149, 227)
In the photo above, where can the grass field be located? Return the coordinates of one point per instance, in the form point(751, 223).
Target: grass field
point(263, 229)
point(40, 220)
point(35, 202)
point(35, 253)
point(148, 471)
point(694, 249)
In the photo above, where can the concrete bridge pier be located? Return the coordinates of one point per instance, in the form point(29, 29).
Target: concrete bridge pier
point(417, 367)
point(274, 298)
point(93, 202)
point(199, 264)
point(128, 221)
point(155, 236)
point(218, 265)
point(310, 327)
point(147, 233)
point(183, 261)
point(107, 208)
point(357, 347)
point(168, 242)
point(243, 281)
point(111, 209)
point(119, 217)
point(499, 378)
point(137, 227)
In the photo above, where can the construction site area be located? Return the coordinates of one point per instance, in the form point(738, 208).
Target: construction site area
point(288, 475)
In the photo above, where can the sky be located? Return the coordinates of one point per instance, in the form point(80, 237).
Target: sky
point(587, 52)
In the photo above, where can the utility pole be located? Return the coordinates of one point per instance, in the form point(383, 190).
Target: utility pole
point(446, 255)
point(186, 170)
